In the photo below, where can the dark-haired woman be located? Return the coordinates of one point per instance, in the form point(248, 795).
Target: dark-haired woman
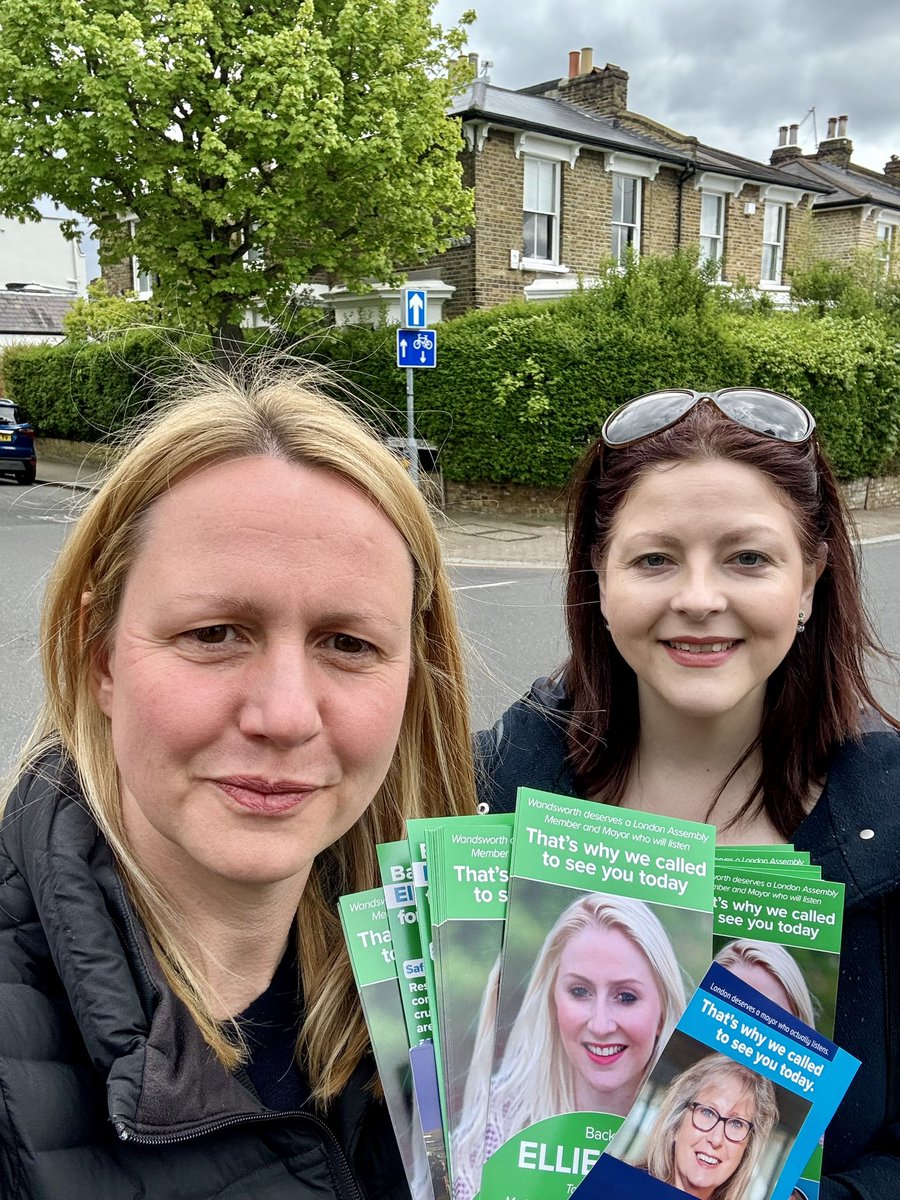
point(716, 672)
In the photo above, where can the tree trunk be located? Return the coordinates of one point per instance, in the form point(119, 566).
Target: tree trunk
point(228, 347)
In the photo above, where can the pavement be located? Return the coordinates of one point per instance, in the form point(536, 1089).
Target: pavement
point(487, 539)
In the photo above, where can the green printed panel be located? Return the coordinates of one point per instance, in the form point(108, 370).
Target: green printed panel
point(364, 917)
point(548, 1160)
point(403, 920)
point(578, 843)
point(792, 912)
point(470, 879)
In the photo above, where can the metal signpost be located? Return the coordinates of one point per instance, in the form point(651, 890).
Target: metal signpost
point(416, 349)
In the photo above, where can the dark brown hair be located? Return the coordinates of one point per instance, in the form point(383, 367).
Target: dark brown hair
point(815, 697)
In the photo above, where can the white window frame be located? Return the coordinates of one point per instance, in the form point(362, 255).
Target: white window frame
point(884, 243)
point(774, 227)
point(712, 240)
point(142, 281)
point(622, 233)
point(534, 163)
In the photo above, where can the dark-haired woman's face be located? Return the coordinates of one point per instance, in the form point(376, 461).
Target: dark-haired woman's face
point(702, 584)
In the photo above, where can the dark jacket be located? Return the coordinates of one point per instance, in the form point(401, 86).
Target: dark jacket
point(107, 1090)
point(853, 833)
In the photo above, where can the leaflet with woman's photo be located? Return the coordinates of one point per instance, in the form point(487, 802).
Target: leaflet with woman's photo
point(609, 926)
point(782, 936)
point(419, 829)
point(734, 1107)
point(469, 877)
point(368, 937)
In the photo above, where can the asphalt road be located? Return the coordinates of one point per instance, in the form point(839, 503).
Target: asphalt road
point(511, 616)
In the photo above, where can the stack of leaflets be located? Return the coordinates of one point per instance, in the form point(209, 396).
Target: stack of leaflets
point(529, 985)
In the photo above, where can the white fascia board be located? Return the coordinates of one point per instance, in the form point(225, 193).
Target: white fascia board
point(631, 164)
point(709, 181)
point(782, 195)
point(557, 149)
point(475, 134)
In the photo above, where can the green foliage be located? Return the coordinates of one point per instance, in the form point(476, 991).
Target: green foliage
point(520, 390)
point(100, 315)
point(859, 288)
point(85, 391)
point(307, 136)
point(846, 371)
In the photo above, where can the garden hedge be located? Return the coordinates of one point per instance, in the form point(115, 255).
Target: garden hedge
point(519, 390)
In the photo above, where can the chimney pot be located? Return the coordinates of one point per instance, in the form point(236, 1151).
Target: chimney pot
point(473, 62)
point(842, 126)
point(792, 135)
point(587, 60)
point(574, 64)
point(832, 122)
point(782, 135)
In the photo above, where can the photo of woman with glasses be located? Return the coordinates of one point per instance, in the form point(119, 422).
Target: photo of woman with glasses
point(711, 1128)
point(716, 671)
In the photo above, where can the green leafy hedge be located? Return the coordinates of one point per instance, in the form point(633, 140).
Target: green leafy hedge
point(521, 389)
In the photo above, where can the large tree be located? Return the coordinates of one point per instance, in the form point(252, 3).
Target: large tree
point(252, 143)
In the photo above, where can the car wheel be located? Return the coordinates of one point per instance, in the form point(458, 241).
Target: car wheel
point(27, 476)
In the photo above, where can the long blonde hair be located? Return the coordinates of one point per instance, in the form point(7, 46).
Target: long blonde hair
point(780, 964)
point(212, 419)
point(535, 1079)
point(681, 1093)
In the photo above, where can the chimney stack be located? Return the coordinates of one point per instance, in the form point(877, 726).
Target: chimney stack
point(574, 64)
point(892, 169)
point(787, 148)
point(836, 149)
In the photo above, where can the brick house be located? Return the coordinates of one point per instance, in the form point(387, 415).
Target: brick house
point(861, 209)
point(566, 176)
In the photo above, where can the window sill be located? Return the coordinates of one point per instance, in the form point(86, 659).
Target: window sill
point(543, 265)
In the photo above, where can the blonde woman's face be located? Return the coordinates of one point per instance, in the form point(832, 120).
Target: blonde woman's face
point(258, 672)
point(609, 1015)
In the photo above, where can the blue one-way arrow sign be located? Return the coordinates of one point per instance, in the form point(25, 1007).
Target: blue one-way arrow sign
point(415, 308)
point(416, 347)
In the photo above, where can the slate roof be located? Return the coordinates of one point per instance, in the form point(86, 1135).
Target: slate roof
point(850, 186)
point(483, 101)
point(33, 312)
point(560, 118)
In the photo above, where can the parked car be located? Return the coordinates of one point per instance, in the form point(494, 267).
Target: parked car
point(17, 456)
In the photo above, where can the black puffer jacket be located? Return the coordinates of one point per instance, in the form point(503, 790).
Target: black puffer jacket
point(853, 833)
point(107, 1091)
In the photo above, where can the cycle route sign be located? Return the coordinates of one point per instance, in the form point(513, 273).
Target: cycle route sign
point(417, 348)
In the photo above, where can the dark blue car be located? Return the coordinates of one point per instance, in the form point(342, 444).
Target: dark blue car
point(17, 455)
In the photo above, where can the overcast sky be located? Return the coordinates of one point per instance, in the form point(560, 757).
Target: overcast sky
point(729, 73)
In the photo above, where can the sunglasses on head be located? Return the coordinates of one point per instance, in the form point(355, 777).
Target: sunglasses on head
point(770, 414)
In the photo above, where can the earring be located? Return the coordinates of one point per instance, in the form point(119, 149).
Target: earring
point(801, 622)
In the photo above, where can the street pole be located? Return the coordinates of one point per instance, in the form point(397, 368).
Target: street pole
point(411, 447)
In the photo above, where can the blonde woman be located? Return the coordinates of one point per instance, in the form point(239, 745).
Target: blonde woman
point(604, 994)
point(252, 675)
point(712, 1124)
point(773, 971)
